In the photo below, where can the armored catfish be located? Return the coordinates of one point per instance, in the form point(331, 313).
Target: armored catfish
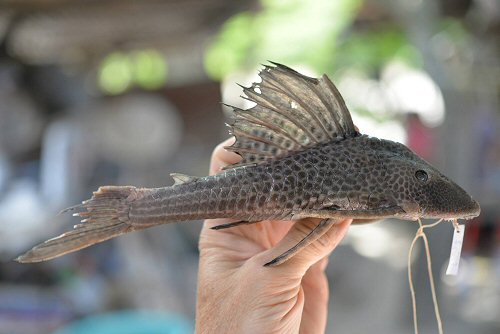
point(301, 157)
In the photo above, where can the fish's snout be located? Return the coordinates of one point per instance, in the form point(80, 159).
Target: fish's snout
point(445, 199)
point(473, 211)
point(465, 206)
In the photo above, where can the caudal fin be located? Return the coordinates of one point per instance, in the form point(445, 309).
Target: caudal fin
point(106, 216)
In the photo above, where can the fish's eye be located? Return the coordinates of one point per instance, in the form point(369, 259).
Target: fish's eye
point(421, 175)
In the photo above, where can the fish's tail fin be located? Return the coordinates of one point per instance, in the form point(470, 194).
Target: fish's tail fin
point(106, 216)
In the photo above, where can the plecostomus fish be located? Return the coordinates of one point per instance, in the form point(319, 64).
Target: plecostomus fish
point(301, 157)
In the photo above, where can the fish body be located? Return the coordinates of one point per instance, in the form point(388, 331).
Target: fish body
point(301, 157)
point(359, 177)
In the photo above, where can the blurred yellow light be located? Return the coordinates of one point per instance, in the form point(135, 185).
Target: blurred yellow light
point(144, 68)
point(149, 69)
point(115, 74)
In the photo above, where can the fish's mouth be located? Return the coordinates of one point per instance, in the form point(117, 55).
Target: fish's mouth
point(466, 213)
point(473, 212)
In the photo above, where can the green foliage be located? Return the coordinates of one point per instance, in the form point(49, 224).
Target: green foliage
point(229, 52)
point(285, 31)
point(369, 51)
point(455, 29)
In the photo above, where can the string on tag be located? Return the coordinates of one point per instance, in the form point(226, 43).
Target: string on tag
point(421, 234)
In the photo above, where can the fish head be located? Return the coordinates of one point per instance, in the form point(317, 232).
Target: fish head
point(421, 190)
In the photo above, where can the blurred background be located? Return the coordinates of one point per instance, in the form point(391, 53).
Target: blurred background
point(125, 92)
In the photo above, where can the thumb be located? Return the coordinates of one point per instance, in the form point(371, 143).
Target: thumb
point(325, 243)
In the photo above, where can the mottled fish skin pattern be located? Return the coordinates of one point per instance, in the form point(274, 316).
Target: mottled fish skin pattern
point(360, 177)
point(301, 157)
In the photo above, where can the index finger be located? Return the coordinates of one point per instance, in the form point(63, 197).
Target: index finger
point(222, 157)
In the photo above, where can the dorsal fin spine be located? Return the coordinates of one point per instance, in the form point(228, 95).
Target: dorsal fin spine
point(297, 100)
point(270, 107)
point(262, 140)
point(248, 116)
point(346, 115)
point(288, 69)
point(291, 119)
point(246, 150)
point(328, 107)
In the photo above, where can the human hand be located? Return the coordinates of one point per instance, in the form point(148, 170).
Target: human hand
point(237, 294)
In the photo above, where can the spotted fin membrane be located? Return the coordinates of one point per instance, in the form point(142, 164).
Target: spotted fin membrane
point(292, 112)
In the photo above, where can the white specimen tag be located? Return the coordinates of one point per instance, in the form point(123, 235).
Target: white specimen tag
point(456, 249)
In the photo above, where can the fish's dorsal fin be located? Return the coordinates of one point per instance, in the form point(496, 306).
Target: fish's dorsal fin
point(292, 113)
point(182, 178)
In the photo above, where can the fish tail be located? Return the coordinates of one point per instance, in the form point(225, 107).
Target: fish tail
point(106, 216)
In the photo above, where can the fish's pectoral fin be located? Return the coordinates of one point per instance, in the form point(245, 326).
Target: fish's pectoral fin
point(364, 207)
point(228, 225)
point(182, 178)
point(315, 233)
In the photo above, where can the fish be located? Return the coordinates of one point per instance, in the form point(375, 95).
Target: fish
point(301, 157)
